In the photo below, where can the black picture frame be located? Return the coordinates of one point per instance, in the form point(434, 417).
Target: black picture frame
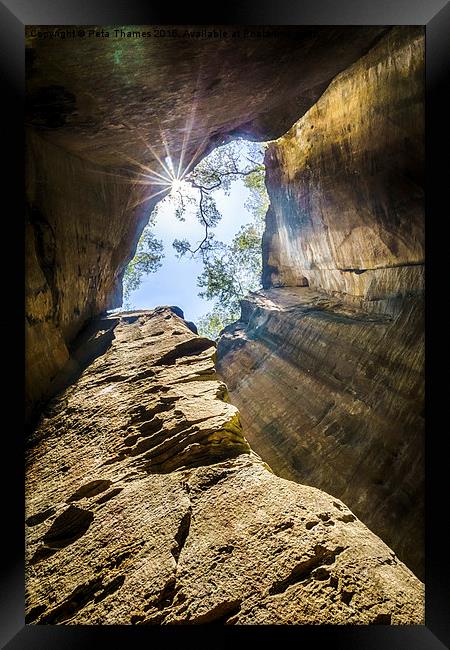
point(14, 15)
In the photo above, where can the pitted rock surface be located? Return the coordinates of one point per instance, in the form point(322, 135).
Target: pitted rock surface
point(146, 505)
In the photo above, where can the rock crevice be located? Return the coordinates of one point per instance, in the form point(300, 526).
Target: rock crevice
point(335, 342)
point(214, 538)
point(92, 112)
point(146, 503)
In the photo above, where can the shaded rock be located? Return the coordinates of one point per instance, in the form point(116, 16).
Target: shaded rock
point(332, 395)
point(177, 311)
point(346, 182)
point(90, 489)
point(68, 527)
point(196, 529)
point(341, 360)
point(192, 326)
point(140, 91)
point(90, 114)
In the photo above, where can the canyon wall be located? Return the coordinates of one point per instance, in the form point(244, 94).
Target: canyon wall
point(326, 364)
point(80, 229)
point(346, 181)
point(99, 108)
point(145, 502)
point(146, 505)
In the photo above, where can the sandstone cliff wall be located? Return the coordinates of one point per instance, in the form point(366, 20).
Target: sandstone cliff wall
point(97, 108)
point(332, 396)
point(346, 181)
point(329, 379)
point(81, 225)
point(146, 505)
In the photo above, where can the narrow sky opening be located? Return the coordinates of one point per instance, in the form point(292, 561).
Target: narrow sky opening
point(175, 282)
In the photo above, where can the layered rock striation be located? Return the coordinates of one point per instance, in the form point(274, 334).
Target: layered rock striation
point(145, 502)
point(146, 505)
point(346, 181)
point(326, 365)
point(98, 108)
point(332, 396)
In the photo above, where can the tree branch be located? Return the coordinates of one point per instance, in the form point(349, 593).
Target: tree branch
point(237, 172)
point(205, 221)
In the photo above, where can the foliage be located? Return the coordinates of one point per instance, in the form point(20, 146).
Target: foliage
point(230, 270)
point(212, 323)
point(218, 170)
point(258, 202)
point(226, 163)
point(147, 259)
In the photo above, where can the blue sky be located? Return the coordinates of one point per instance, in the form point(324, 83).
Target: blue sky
point(175, 282)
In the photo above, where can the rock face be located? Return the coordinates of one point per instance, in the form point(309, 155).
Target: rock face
point(329, 379)
point(342, 390)
point(98, 108)
point(145, 504)
point(70, 255)
point(346, 181)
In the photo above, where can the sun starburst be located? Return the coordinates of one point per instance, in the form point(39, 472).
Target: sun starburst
point(170, 175)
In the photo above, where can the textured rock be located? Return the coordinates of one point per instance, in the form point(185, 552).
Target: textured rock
point(104, 99)
point(332, 395)
point(95, 105)
point(146, 505)
point(346, 181)
point(46, 350)
point(72, 255)
point(329, 380)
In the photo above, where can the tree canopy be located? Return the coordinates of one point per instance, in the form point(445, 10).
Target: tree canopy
point(232, 269)
point(147, 259)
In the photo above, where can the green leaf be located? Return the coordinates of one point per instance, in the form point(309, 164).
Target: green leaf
point(147, 259)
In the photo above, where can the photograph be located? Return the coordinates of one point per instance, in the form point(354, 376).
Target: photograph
point(226, 327)
point(224, 341)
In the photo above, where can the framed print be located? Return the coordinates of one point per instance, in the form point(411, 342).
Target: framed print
point(226, 324)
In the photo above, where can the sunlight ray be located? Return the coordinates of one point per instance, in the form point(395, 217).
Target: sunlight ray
point(132, 180)
point(150, 177)
point(186, 136)
point(166, 147)
point(146, 168)
point(195, 156)
point(158, 183)
point(190, 123)
point(169, 179)
point(153, 152)
point(147, 198)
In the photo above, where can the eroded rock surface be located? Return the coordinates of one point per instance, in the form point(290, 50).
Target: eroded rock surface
point(346, 182)
point(330, 379)
point(98, 108)
point(332, 396)
point(145, 504)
